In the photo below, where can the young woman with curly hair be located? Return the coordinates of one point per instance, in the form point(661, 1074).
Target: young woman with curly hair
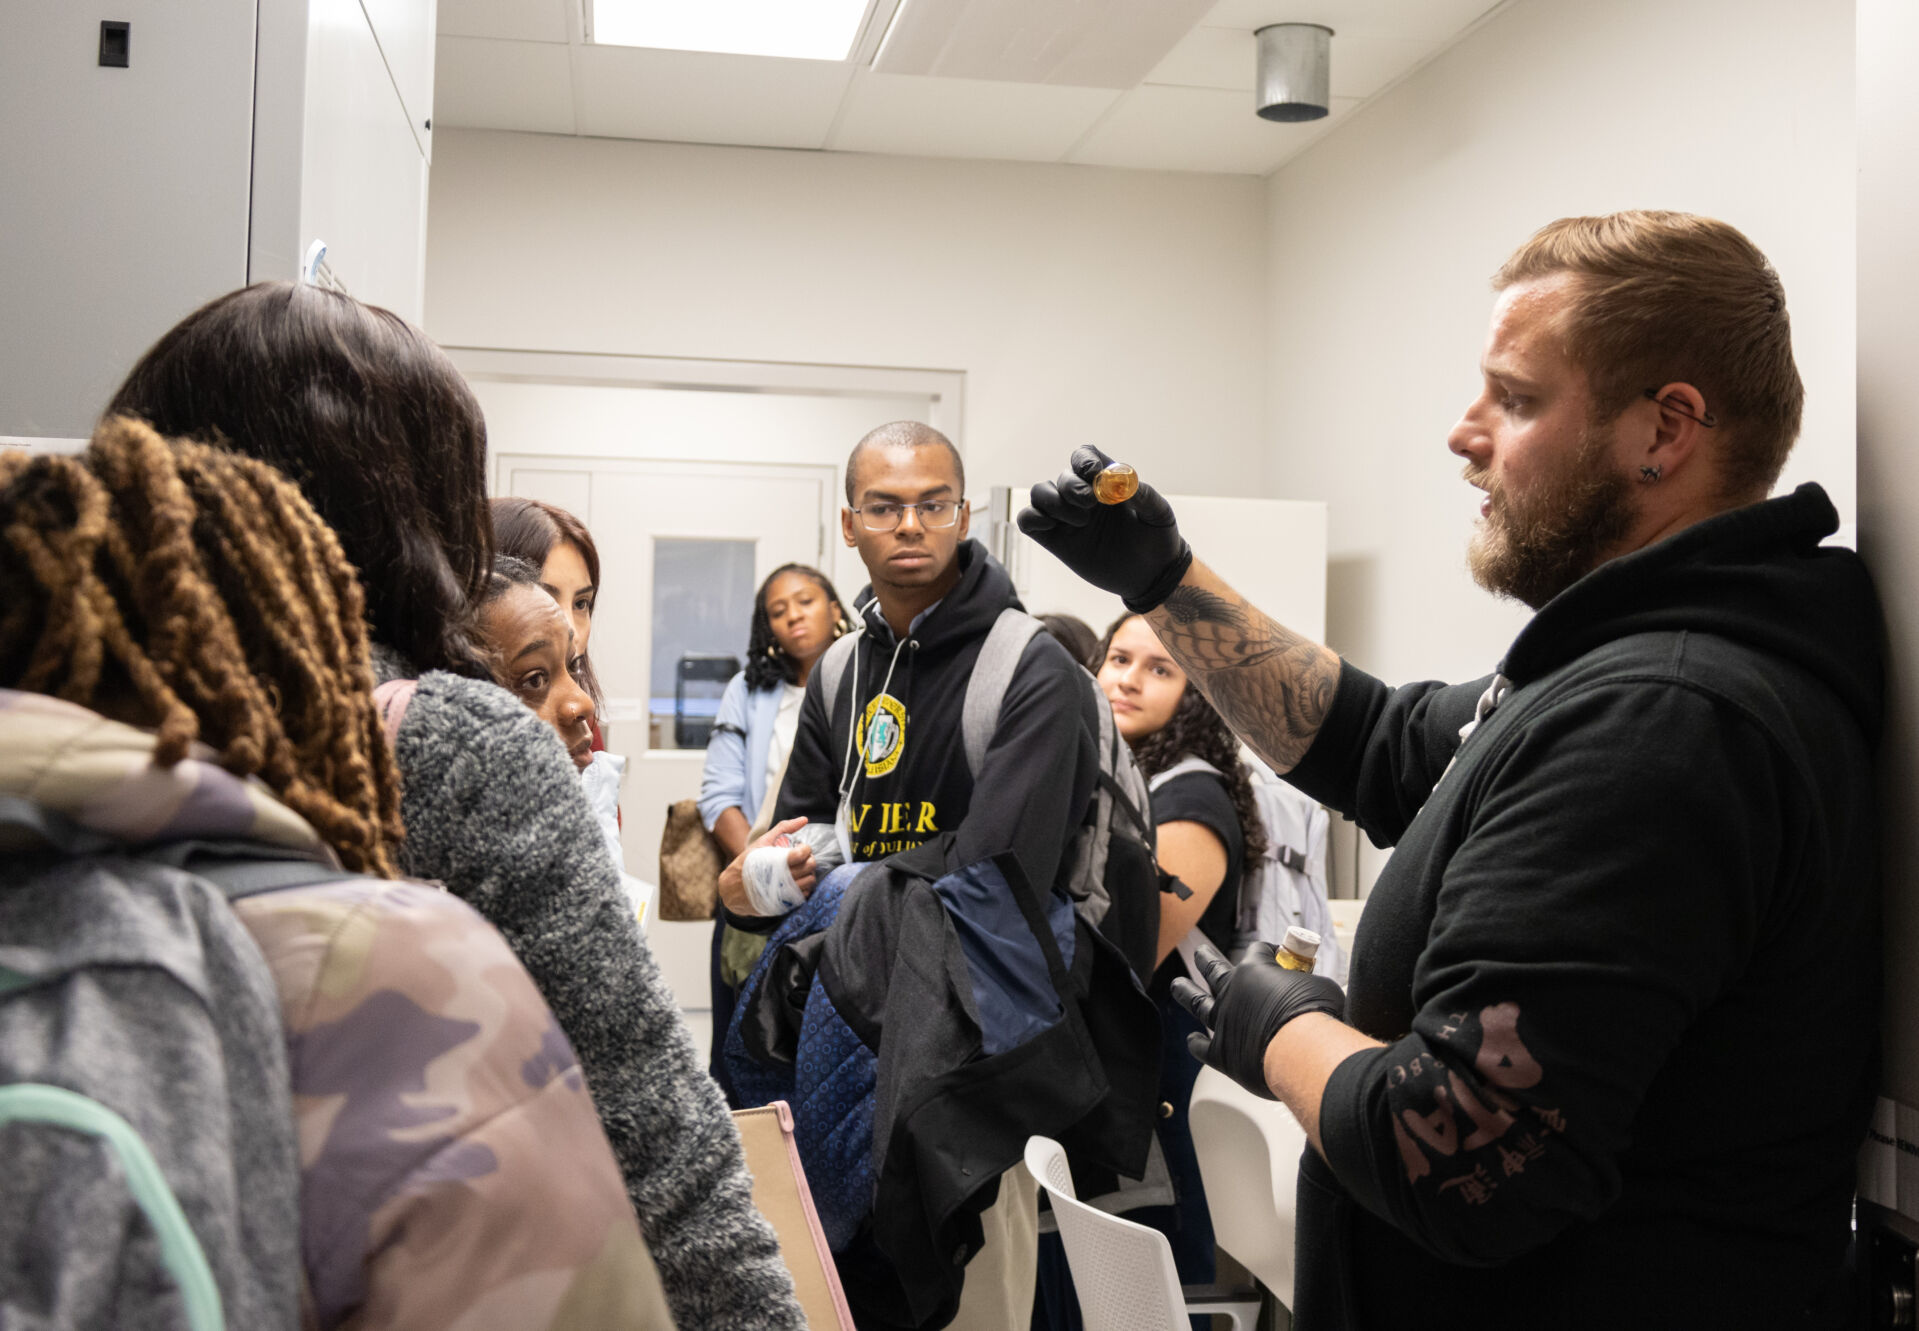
point(1208, 829)
point(184, 662)
point(796, 617)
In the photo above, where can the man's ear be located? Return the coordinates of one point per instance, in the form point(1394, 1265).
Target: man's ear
point(1679, 423)
point(965, 518)
point(846, 526)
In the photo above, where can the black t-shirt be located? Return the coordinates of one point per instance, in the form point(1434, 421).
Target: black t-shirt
point(1200, 797)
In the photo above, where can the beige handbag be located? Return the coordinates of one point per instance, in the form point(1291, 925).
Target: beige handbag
point(690, 860)
point(689, 865)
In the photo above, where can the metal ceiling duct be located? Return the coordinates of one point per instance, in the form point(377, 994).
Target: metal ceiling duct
point(1295, 71)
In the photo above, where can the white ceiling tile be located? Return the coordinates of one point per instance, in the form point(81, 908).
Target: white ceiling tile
point(1222, 58)
point(480, 84)
point(1107, 44)
point(938, 117)
point(1228, 59)
point(508, 20)
point(1355, 18)
point(1198, 129)
point(632, 92)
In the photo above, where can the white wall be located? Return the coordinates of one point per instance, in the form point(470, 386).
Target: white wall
point(1384, 234)
point(1083, 304)
point(1889, 516)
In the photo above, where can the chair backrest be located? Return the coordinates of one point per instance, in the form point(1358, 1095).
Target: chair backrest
point(781, 1195)
point(1249, 1151)
point(1123, 1272)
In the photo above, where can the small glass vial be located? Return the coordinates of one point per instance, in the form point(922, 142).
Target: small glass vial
point(1300, 949)
point(1115, 484)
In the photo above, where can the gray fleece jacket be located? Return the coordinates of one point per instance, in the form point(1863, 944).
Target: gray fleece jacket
point(495, 810)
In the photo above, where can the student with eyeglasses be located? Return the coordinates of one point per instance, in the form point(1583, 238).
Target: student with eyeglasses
point(888, 738)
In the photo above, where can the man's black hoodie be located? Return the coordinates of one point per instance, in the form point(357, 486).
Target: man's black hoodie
point(1625, 955)
point(911, 785)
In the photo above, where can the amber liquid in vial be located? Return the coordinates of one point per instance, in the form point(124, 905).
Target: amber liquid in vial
point(1299, 951)
point(1115, 484)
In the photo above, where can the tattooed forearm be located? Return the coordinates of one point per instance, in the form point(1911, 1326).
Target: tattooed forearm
point(1273, 687)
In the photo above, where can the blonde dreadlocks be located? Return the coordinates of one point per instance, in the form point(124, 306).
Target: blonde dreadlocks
point(201, 588)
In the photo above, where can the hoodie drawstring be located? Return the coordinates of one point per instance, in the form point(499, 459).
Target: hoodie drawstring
point(1494, 695)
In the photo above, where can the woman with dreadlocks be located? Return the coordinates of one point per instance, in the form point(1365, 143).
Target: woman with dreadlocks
point(384, 437)
point(796, 617)
point(183, 659)
point(1208, 826)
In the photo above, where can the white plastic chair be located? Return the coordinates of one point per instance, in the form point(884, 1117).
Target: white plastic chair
point(1249, 1151)
point(1122, 1272)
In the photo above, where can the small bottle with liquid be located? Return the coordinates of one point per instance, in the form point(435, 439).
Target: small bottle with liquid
point(1116, 483)
point(1299, 951)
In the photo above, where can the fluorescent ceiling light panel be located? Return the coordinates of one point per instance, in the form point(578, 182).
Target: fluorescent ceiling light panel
point(797, 29)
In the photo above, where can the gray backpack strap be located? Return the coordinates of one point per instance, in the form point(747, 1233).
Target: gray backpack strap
point(1184, 767)
point(992, 676)
point(832, 669)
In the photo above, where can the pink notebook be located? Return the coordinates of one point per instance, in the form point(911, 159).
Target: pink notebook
point(781, 1194)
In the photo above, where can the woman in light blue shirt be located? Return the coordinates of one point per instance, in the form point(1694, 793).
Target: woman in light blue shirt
point(796, 616)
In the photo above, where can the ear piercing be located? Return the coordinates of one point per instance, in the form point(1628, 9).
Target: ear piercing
point(1650, 474)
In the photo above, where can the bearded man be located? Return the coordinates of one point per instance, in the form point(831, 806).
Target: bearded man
point(1610, 1043)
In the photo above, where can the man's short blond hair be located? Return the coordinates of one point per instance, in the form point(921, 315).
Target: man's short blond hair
point(1663, 297)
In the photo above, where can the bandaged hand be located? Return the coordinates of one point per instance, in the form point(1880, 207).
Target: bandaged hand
point(1132, 548)
point(772, 875)
point(1249, 1003)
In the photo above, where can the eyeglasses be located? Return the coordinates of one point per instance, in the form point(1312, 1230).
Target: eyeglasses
point(1708, 419)
point(935, 514)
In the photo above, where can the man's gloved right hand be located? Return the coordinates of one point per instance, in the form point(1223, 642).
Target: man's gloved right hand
point(1133, 548)
point(1250, 1002)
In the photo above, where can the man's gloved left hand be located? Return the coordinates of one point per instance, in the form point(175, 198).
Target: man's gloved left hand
point(1250, 1002)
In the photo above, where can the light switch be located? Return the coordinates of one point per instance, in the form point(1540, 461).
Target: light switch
point(114, 41)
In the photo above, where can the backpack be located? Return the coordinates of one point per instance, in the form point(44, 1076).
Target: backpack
point(1287, 885)
point(1112, 873)
point(144, 1081)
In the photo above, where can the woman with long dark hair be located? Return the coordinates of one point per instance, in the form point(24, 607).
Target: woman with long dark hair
point(378, 429)
point(796, 616)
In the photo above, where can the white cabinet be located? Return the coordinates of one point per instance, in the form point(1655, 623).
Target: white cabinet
point(237, 132)
point(123, 192)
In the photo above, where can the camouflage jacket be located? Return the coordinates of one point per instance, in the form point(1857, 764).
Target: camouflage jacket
point(453, 1170)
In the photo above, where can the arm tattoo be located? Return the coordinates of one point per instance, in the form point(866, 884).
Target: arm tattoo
point(1272, 686)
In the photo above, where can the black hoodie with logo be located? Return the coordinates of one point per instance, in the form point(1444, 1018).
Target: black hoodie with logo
point(1625, 955)
point(910, 781)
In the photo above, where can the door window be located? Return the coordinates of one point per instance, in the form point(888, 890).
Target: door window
point(702, 613)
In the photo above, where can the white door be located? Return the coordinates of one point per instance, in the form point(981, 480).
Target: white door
point(683, 547)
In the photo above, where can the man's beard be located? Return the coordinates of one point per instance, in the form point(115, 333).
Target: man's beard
point(1533, 547)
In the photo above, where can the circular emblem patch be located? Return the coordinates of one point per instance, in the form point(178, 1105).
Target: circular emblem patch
point(884, 726)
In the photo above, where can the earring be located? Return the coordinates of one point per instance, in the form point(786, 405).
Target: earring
point(1650, 474)
point(773, 650)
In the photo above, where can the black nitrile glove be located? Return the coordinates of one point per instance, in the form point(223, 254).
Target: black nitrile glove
point(1133, 548)
point(1250, 1002)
